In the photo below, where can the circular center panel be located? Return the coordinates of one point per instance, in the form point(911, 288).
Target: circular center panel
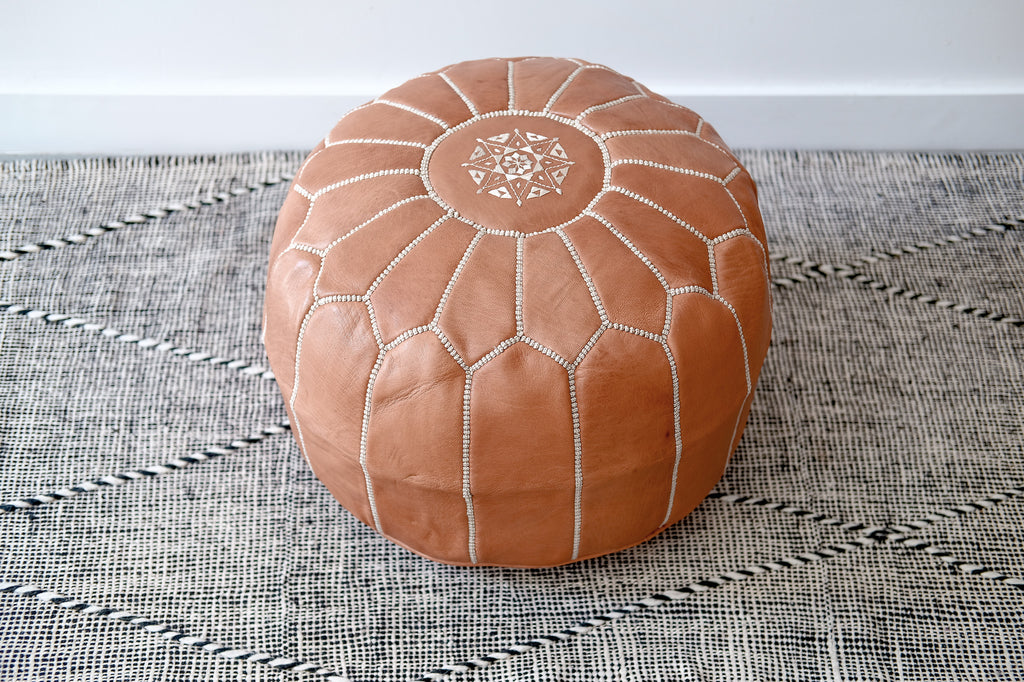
point(516, 173)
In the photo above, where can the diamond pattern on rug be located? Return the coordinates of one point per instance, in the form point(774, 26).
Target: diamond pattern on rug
point(860, 531)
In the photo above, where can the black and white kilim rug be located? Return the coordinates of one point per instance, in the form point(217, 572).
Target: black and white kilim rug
point(158, 523)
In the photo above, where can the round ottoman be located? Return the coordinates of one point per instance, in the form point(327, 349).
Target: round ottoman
point(517, 310)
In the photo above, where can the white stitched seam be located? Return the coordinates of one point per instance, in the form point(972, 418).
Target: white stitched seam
point(577, 501)
point(663, 166)
point(376, 216)
point(736, 424)
point(712, 269)
point(496, 351)
point(586, 276)
point(736, 233)
point(652, 131)
point(608, 105)
point(691, 289)
point(632, 247)
point(467, 494)
point(377, 336)
point(538, 346)
point(668, 315)
point(695, 173)
point(413, 110)
point(455, 276)
point(406, 335)
point(305, 219)
point(743, 341)
point(302, 246)
point(747, 234)
point(448, 346)
point(316, 281)
point(298, 359)
point(377, 140)
point(676, 426)
point(309, 159)
point(589, 344)
point(405, 252)
point(635, 331)
point(359, 178)
point(362, 439)
point(511, 87)
point(468, 102)
point(519, 286)
point(295, 378)
point(644, 200)
point(312, 203)
point(568, 81)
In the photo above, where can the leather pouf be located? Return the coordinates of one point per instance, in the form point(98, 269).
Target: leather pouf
point(517, 310)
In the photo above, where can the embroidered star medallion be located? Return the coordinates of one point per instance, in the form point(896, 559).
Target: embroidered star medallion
point(518, 166)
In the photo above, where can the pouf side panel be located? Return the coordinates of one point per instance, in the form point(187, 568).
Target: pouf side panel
point(414, 449)
point(643, 115)
point(484, 82)
point(292, 215)
point(700, 202)
point(343, 162)
point(408, 296)
point(677, 253)
point(288, 299)
point(343, 209)
point(743, 281)
point(741, 425)
point(706, 343)
point(336, 354)
point(536, 80)
point(433, 96)
point(708, 132)
point(595, 86)
point(685, 152)
point(653, 95)
point(480, 311)
point(558, 310)
point(370, 120)
point(629, 291)
point(627, 431)
point(354, 262)
point(522, 460)
point(744, 190)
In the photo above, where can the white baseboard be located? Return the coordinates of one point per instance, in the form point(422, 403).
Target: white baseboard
point(166, 124)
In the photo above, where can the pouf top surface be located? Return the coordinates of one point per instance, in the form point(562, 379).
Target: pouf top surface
point(517, 309)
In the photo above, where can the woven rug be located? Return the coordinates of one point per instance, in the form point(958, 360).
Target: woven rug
point(159, 523)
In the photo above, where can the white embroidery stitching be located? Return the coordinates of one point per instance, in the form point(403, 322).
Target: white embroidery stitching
point(413, 110)
point(425, 165)
point(468, 102)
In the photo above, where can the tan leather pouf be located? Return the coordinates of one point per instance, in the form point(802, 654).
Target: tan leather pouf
point(517, 310)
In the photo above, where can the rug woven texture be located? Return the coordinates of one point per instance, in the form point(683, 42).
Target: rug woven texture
point(158, 523)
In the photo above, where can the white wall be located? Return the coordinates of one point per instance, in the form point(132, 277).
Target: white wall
point(198, 76)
